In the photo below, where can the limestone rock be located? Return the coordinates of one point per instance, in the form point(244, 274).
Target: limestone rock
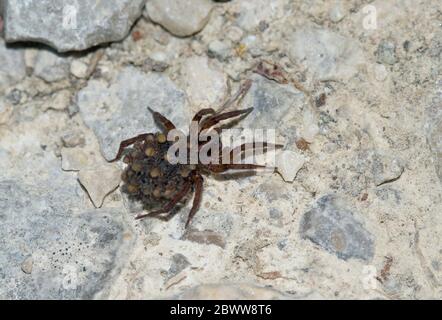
point(69, 25)
point(329, 55)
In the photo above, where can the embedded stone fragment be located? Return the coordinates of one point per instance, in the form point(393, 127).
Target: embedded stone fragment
point(334, 228)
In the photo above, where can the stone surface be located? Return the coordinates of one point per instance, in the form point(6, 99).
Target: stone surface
point(119, 111)
point(51, 67)
point(272, 105)
point(288, 164)
point(69, 25)
point(369, 132)
point(335, 229)
point(434, 131)
point(99, 181)
point(75, 159)
point(206, 86)
point(49, 253)
point(182, 18)
point(386, 52)
point(330, 56)
point(12, 68)
point(220, 50)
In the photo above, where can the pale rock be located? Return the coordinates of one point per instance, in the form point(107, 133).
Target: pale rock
point(59, 101)
point(182, 18)
point(5, 111)
point(251, 13)
point(219, 50)
point(12, 66)
point(73, 139)
point(99, 181)
point(79, 69)
point(205, 85)
point(337, 12)
point(75, 159)
point(328, 55)
point(288, 164)
point(380, 72)
point(50, 66)
point(27, 265)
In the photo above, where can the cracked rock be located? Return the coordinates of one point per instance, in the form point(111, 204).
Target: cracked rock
point(334, 228)
point(69, 25)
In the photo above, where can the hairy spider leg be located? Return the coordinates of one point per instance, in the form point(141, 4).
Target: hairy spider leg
point(159, 118)
point(127, 143)
point(249, 146)
point(203, 112)
point(215, 119)
point(198, 181)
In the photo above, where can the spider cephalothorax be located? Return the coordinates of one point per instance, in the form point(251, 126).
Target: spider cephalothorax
point(152, 179)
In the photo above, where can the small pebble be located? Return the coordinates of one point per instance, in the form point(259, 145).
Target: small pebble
point(27, 265)
point(79, 69)
point(386, 52)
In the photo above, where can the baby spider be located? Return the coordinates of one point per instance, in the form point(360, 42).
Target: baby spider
point(152, 179)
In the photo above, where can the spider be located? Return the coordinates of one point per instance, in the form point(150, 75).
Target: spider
point(150, 178)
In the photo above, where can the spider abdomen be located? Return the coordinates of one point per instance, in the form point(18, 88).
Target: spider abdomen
point(149, 177)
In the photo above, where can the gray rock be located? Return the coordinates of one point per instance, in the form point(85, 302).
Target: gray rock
point(386, 53)
point(12, 66)
point(182, 18)
point(69, 25)
point(334, 228)
point(178, 264)
point(50, 253)
point(51, 67)
point(274, 105)
point(119, 110)
point(329, 56)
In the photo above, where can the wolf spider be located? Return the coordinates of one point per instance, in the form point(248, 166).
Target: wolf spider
point(150, 178)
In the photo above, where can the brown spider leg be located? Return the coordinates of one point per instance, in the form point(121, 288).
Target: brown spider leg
point(159, 118)
point(169, 206)
point(251, 145)
point(201, 113)
point(218, 168)
point(237, 96)
point(127, 143)
point(213, 120)
point(198, 180)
